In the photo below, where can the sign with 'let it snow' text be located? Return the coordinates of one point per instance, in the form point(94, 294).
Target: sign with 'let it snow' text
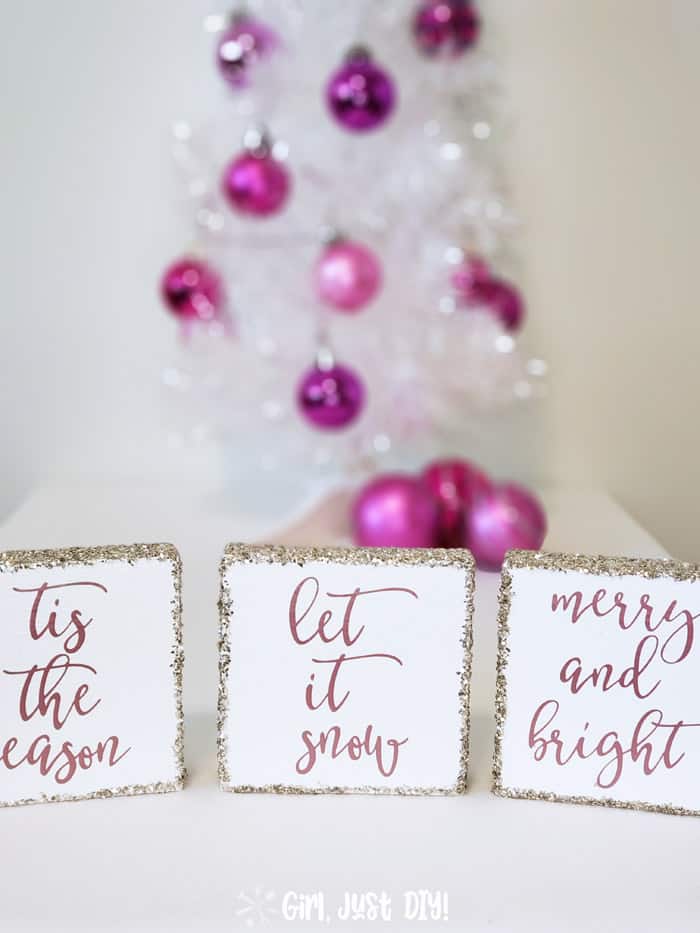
point(344, 670)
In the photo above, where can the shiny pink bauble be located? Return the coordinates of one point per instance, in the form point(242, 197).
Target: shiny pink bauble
point(192, 290)
point(506, 518)
point(394, 510)
point(445, 27)
point(476, 287)
point(348, 275)
point(256, 184)
point(470, 275)
point(504, 301)
point(241, 46)
point(332, 398)
point(456, 485)
point(360, 95)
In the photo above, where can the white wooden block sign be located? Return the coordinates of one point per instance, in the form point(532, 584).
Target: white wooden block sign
point(90, 673)
point(598, 672)
point(344, 670)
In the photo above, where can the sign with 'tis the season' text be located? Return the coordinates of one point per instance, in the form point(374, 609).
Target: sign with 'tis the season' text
point(90, 672)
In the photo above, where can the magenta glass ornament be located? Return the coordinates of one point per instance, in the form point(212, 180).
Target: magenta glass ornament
point(241, 46)
point(348, 275)
point(473, 273)
point(394, 510)
point(445, 27)
point(192, 290)
point(456, 486)
point(505, 518)
point(256, 184)
point(503, 300)
point(331, 398)
point(476, 287)
point(360, 95)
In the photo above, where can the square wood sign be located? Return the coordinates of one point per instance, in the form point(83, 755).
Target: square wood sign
point(344, 670)
point(90, 673)
point(598, 672)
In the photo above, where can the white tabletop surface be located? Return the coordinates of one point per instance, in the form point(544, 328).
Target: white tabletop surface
point(197, 860)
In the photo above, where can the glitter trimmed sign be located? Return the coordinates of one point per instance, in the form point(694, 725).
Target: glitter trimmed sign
point(597, 682)
point(344, 670)
point(90, 673)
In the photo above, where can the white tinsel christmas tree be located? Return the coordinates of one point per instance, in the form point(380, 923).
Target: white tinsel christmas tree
point(360, 188)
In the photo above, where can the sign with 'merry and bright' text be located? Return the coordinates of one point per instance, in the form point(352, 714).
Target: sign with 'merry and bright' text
point(598, 671)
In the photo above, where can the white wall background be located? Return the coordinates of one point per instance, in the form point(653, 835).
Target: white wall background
point(604, 164)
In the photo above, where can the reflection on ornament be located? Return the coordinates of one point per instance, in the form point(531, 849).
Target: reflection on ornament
point(242, 45)
point(348, 275)
point(330, 397)
point(360, 95)
point(445, 27)
point(256, 184)
point(394, 510)
point(192, 290)
point(504, 518)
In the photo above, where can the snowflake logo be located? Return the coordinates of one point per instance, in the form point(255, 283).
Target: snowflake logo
point(256, 908)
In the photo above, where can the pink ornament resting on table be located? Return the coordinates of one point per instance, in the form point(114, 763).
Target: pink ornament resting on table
point(360, 95)
point(348, 275)
point(445, 27)
point(451, 504)
point(241, 46)
point(192, 290)
point(331, 398)
point(507, 517)
point(394, 510)
point(456, 486)
point(256, 184)
point(477, 287)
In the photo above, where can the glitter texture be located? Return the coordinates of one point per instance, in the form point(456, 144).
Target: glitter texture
point(650, 569)
point(94, 556)
point(397, 557)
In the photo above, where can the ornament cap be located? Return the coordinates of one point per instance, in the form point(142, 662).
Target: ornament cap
point(325, 360)
point(239, 14)
point(332, 236)
point(257, 141)
point(358, 53)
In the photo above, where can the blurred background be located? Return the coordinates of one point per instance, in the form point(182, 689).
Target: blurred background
point(601, 159)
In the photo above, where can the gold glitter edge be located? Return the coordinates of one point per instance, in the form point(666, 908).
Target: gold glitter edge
point(130, 790)
point(279, 554)
point(69, 556)
point(86, 556)
point(515, 793)
point(399, 791)
point(651, 568)
point(596, 565)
